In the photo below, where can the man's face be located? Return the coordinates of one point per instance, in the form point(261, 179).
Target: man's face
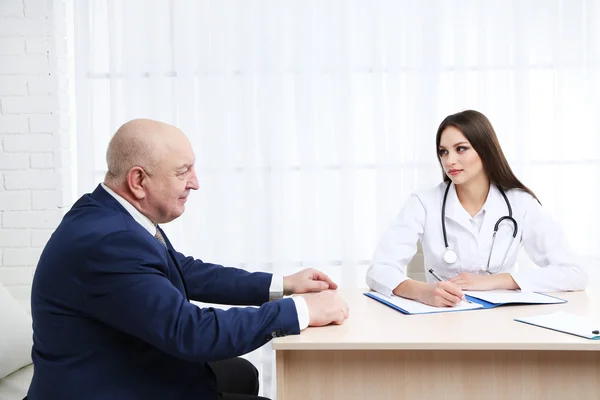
point(170, 182)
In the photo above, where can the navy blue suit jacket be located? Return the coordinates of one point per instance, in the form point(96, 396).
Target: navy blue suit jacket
point(112, 320)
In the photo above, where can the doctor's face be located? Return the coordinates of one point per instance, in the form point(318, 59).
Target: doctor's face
point(460, 161)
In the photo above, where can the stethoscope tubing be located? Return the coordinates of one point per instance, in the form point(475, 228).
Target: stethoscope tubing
point(508, 217)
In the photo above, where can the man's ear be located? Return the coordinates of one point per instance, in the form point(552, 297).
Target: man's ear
point(135, 181)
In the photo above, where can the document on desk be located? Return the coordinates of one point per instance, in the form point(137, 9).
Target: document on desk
point(407, 306)
point(495, 298)
point(567, 323)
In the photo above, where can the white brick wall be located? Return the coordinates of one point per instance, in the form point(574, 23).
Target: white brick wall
point(35, 133)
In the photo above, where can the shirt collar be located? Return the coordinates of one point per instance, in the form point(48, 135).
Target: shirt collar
point(134, 212)
point(480, 214)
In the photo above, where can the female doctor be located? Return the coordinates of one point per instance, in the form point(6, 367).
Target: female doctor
point(471, 227)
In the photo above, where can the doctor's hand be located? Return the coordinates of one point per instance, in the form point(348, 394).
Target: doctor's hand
point(307, 280)
point(441, 294)
point(325, 308)
point(468, 281)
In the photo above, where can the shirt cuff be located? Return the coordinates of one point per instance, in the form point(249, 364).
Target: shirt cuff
point(302, 311)
point(276, 288)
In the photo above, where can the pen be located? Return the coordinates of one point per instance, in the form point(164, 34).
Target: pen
point(432, 272)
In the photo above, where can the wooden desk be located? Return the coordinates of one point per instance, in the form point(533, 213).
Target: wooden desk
point(380, 353)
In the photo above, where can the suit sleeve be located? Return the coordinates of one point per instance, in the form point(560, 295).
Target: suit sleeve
point(213, 283)
point(126, 287)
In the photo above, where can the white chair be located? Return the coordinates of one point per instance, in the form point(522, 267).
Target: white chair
point(415, 269)
point(16, 368)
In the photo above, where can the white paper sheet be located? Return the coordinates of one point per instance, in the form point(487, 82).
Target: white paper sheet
point(565, 322)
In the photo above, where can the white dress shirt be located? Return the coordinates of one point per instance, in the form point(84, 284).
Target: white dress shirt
point(471, 238)
point(276, 281)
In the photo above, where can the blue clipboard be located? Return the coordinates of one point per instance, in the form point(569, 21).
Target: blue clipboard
point(487, 304)
point(429, 309)
point(478, 304)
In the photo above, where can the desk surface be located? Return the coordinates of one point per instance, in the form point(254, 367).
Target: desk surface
point(375, 326)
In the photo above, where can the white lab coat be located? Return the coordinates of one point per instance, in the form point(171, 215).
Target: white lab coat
point(420, 219)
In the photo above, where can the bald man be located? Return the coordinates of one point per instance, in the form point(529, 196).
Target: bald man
point(110, 296)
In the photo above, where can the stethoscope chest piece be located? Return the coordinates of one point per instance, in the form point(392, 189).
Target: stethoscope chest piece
point(450, 256)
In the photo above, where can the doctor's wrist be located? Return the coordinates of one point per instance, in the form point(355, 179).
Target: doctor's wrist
point(410, 289)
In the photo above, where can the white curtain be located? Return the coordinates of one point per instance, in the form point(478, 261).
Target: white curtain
point(313, 120)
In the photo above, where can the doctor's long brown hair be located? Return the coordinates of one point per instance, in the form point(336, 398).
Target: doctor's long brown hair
point(479, 132)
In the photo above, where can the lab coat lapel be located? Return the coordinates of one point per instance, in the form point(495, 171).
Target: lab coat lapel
point(495, 207)
point(455, 211)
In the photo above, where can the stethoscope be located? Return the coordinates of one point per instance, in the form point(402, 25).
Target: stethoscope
point(450, 256)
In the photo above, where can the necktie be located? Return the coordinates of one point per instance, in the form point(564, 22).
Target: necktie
point(160, 237)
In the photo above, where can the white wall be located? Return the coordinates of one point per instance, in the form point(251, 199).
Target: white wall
point(35, 143)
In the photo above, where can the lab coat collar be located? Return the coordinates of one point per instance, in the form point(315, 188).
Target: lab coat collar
point(494, 205)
